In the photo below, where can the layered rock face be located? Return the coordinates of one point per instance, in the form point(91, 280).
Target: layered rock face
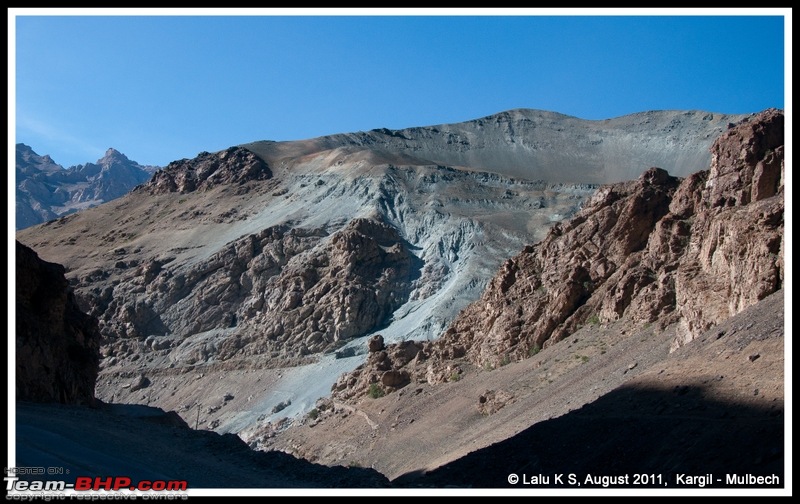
point(656, 250)
point(56, 344)
point(735, 254)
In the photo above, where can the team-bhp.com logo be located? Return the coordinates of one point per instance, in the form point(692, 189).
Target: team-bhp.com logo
point(83, 483)
point(86, 483)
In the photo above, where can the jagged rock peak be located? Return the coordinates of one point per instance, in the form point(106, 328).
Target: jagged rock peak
point(234, 165)
point(113, 156)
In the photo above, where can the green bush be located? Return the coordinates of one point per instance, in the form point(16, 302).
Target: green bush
point(593, 320)
point(375, 391)
point(535, 349)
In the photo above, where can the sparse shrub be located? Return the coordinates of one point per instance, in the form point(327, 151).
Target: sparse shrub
point(375, 391)
point(505, 360)
point(313, 414)
point(281, 406)
point(593, 320)
point(535, 349)
point(455, 376)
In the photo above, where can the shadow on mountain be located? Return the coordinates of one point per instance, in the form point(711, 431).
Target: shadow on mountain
point(146, 443)
point(627, 432)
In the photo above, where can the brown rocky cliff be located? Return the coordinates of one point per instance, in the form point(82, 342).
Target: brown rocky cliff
point(207, 170)
point(346, 288)
point(56, 344)
point(655, 250)
point(288, 292)
point(735, 251)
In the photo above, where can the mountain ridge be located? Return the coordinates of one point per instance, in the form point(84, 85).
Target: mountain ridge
point(45, 190)
point(536, 144)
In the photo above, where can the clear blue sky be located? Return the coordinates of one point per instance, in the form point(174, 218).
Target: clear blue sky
point(165, 88)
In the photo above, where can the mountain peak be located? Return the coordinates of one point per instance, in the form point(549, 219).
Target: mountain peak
point(22, 147)
point(112, 155)
point(28, 159)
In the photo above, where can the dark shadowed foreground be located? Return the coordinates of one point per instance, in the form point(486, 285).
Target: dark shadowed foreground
point(660, 435)
point(144, 443)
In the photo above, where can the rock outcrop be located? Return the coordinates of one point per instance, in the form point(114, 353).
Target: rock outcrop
point(345, 289)
point(289, 293)
point(235, 165)
point(735, 254)
point(655, 250)
point(56, 344)
point(385, 368)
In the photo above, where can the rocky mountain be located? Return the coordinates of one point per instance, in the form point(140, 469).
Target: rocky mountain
point(243, 283)
point(57, 345)
point(57, 362)
point(45, 190)
point(643, 335)
point(657, 250)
